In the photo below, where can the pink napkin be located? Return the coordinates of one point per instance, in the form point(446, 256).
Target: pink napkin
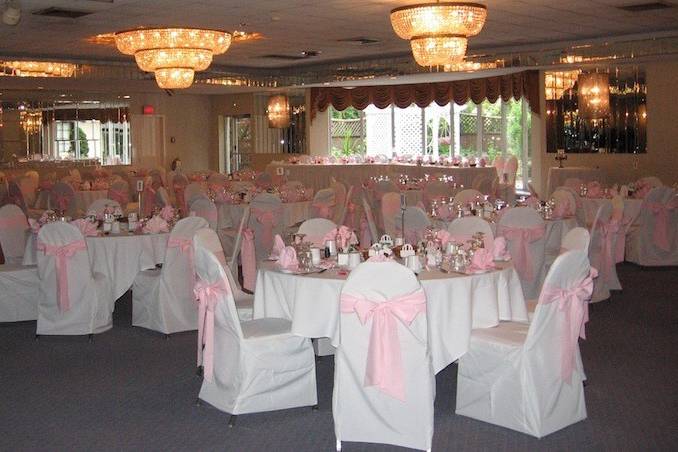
point(594, 190)
point(443, 236)
point(288, 258)
point(167, 213)
point(499, 250)
point(278, 246)
point(87, 228)
point(156, 225)
point(482, 260)
point(346, 236)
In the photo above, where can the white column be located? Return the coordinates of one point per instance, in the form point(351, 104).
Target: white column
point(479, 129)
point(456, 130)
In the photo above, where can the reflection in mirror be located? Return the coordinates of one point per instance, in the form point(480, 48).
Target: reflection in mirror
point(594, 111)
point(40, 128)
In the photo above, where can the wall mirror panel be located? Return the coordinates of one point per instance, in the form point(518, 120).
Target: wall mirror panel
point(596, 110)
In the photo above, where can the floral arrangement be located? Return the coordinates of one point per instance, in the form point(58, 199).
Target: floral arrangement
point(170, 215)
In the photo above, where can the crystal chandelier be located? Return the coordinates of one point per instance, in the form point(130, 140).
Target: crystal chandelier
point(556, 83)
point(438, 32)
point(593, 95)
point(31, 121)
point(173, 54)
point(40, 68)
point(278, 111)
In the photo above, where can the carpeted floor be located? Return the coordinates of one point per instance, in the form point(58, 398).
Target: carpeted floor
point(135, 390)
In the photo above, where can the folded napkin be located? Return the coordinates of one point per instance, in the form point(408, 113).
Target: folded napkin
point(278, 246)
point(345, 235)
point(288, 258)
point(87, 228)
point(156, 225)
point(167, 213)
point(499, 250)
point(482, 260)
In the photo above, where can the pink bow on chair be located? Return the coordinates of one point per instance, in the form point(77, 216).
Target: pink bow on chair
point(608, 231)
point(16, 221)
point(208, 298)
point(573, 302)
point(185, 245)
point(661, 219)
point(523, 237)
point(267, 219)
point(249, 260)
point(62, 253)
point(384, 360)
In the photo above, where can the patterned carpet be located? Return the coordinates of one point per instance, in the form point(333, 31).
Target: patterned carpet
point(133, 389)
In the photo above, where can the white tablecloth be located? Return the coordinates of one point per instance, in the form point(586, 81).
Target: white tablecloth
point(119, 257)
point(631, 209)
point(319, 176)
point(456, 305)
point(229, 215)
point(558, 176)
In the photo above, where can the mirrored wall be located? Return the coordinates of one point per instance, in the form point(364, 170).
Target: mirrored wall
point(596, 110)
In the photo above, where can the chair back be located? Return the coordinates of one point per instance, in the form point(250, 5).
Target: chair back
point(466, 227)
point(372, 225)
point(574, 183)
point(551, 347)
point(192, 191)
point(566, 203)
point(264, 181)
point(13, 227)
point(178, 270)
point(266, 220)
point(499, 165)
point(510, 170)
point(205, 208)
point(437, 190)
point(28, 187)
point(483, 183)
point(316, 229)
point(324, 202)
point(659, 224)
point(576, 239)
point(390, 212)
point(384, 186)
point(416, 222)
point(98, 206)
point(339, 200)
point(466, 196)
point(119, 192)
point(62, 197)
point(383, 394)
point(524, 230)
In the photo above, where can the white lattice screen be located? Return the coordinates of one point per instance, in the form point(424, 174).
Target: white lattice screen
point(378, 130)
point(408, 134)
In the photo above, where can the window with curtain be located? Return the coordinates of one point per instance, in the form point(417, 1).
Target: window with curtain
point(470, 130)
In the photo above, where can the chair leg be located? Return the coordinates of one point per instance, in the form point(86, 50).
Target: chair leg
point(198, 402)
point(91, 338)
point(199, 371)
point(167, 337)
point(314, 407)
point(338, 445)
point(231, 421)
point(37, 337)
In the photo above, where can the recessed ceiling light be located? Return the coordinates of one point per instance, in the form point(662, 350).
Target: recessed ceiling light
point(41, 87)
point(62, 95)
point(126, 96)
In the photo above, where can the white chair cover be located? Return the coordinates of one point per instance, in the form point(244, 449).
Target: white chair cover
point(566, 203)
point(529, 378)
point(162, 198)
point(574, 183)
point(13, 230)
point(499, 163)
point(19, 293)
point(468, 195)
point(602, 252)
point(483, 183)
point(579, 212)
point(576, 239)
point(203, 207)
point(193, 191)
point(510, 171)
point(315, 230)
point(375, 413)
point(209, 240)
point(390, 212)
point(100, 205)
point(163, 299)
point(72, 300)
point(119, 192)
point(416, 222)
point(524, 231)
point(339, 200)
point(372, 225)
point(266, 220)
point(467, 226)
point(28, 186)
point(655, 242)
point(382, 187)
point(251, 366)
point(323, 204)
point(62, 197)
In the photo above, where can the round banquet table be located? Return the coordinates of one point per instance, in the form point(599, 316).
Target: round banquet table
point(229, 215)
point(456, 304)
point(119, 257)
point(631, 209)
point(320, 176)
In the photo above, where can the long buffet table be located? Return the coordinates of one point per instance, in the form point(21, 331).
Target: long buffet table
point(318, 176)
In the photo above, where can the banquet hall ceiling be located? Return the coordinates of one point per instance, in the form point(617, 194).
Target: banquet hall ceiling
point(293, 26)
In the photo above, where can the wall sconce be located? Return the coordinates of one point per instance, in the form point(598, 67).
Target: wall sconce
point(278, 111)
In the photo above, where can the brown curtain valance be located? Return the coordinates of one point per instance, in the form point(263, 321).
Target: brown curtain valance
point(460, 91)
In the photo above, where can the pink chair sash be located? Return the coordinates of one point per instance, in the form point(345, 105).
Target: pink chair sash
point(62, 253)
point(661, 220)
point(179, 190)
point(365, 234)
point(148, 198)
point(185, 245)
point(249, 260)
point(573, 302)
point(208, 298)
point(608, 231)
point(267, 219)
point(384, 360)
point(523, 237)
point(16, 221)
